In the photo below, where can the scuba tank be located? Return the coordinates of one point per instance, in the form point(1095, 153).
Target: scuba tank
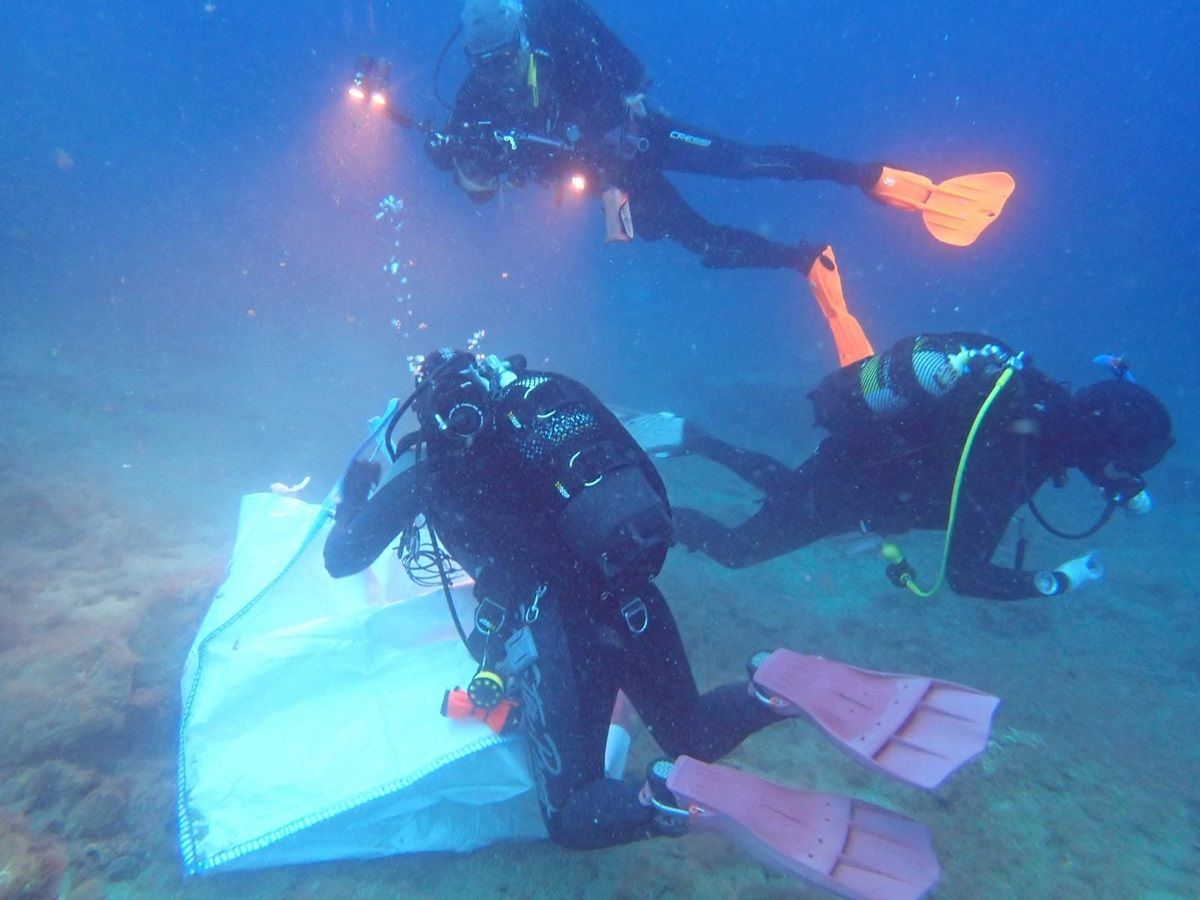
point(608, 512)
point(882, 387)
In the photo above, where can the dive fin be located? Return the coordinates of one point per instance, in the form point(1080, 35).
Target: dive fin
point(847, 846)
point(826, 283)
point(659, 434)
point(955, 211)
point(618, 219)
point(914, 728)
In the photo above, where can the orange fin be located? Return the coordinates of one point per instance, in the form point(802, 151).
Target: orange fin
point(848, 335)
point(955, 211)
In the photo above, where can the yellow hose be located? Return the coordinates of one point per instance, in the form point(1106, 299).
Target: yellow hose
point(892, 553)
point(531, 79)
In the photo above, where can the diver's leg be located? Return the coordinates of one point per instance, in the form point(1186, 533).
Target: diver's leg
point(763, 536)
point(660, 211)
point(678, 146)
point(658, 680)
point(804, 509)
point(567, 697)
point(767, 474)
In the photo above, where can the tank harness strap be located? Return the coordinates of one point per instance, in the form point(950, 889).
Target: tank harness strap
point(634, 611)
point(540, 398)
point(587, 468)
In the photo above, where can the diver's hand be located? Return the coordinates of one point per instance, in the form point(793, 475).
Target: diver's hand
point(440, 150)
point(1140, 504)
point(1072, 575)
point(635, 105)
point(356, 486)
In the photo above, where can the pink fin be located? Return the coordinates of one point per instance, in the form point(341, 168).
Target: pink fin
point(915, 728)
point(853, 848)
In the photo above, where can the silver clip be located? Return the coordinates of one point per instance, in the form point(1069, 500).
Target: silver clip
point(532, 614)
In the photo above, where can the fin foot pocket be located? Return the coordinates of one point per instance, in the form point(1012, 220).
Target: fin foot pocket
point(955, 211)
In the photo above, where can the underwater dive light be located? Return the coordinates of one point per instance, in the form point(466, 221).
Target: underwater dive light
point(370, 81)
point(362, 75)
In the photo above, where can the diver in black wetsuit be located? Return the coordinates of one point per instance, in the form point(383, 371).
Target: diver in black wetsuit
point(897, 424)
point(552, 90)
point(536, 489)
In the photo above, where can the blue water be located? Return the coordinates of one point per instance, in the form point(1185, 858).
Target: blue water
point(195, 303)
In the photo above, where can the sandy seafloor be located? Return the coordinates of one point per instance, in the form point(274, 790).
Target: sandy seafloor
point(120, 499)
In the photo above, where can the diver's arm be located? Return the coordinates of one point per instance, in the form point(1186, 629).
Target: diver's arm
point(473, 101)
point(1005, 475)
point(470, 123)
point(978, 530)
point(358, 537)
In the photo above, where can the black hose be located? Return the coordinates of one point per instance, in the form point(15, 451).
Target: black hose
point(395, 450)
point(437, 68)
point(437, 555)
point(412, 438)
point(1105, 515)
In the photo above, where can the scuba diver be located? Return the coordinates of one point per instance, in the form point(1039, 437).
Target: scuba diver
point(554, 97)
point(533, 487)
point(948, 431)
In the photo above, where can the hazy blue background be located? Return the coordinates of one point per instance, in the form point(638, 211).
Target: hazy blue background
point(216, 169)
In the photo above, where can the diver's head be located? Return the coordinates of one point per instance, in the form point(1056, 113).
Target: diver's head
point(493, 37)
point(453, 403)
point(1119, 431)
point(456, 394)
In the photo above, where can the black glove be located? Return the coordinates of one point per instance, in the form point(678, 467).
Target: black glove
point(356, 486)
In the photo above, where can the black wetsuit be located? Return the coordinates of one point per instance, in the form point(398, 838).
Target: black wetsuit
point(499, 509)
point(584, 74)
point(892, 469)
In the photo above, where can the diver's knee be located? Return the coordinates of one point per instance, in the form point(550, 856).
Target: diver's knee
point(571, 833)
point(733, 555)
point(960, 580)
point(563, 836)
